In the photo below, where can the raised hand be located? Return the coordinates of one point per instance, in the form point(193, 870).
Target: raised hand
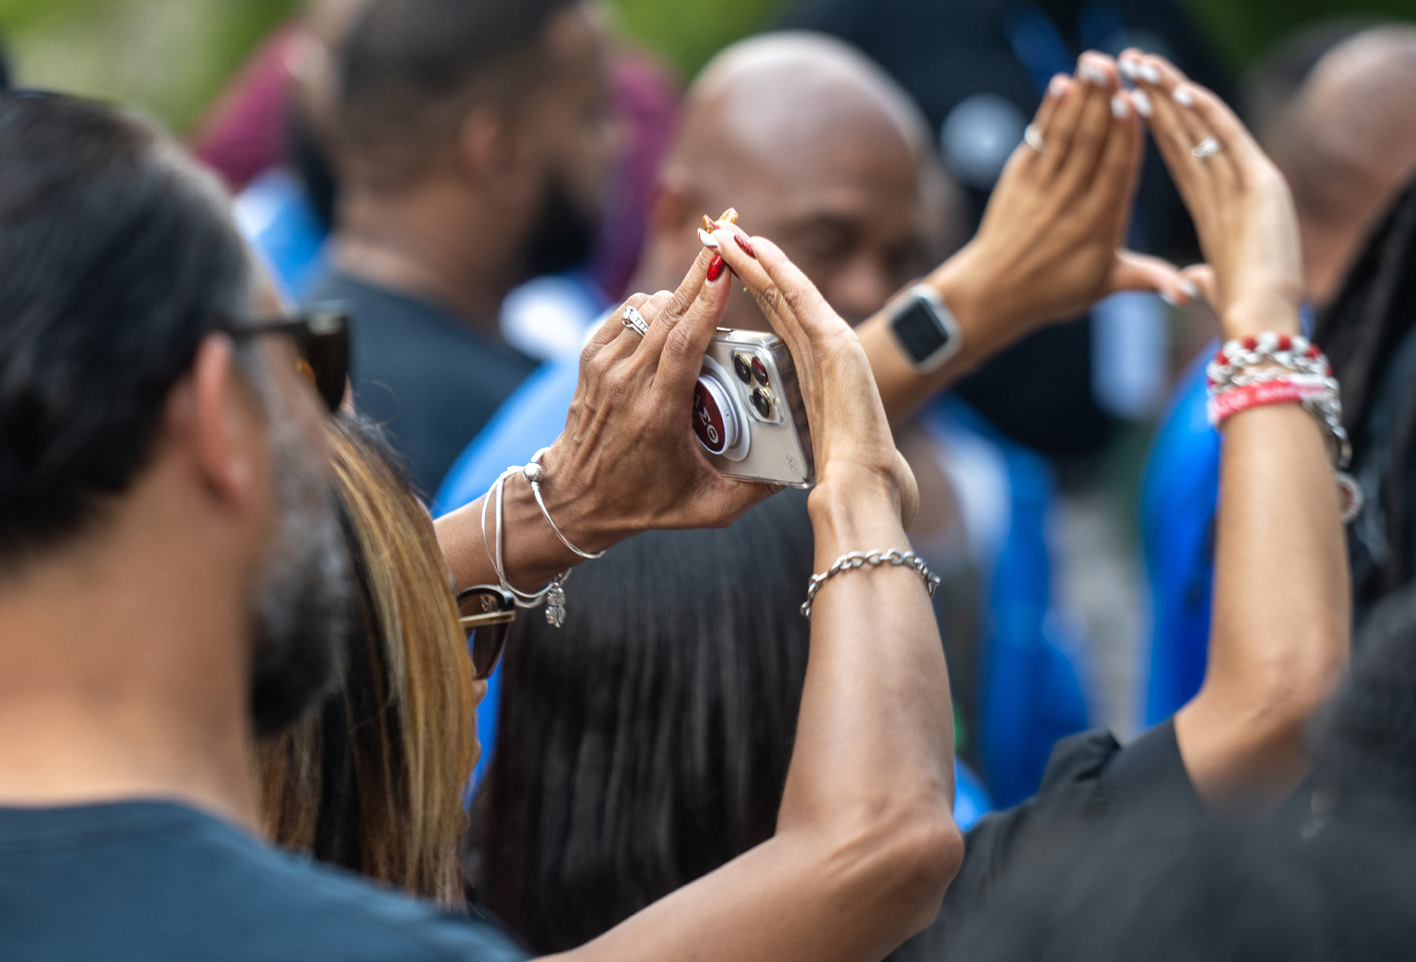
point(1050, 244)
point(1239, 201)
point(628, 453)
point(849, 431)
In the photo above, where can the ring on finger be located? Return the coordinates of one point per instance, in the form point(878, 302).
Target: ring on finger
point(1206, 149)
point(1033, 138)
point(632, 319)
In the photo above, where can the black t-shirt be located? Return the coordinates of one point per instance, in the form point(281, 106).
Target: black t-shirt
point(418, 369)
point(1092, 787)
point(154, 880)
point(1326, 877)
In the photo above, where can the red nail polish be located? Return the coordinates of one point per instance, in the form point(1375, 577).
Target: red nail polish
point(746, 246)
point(715, 268)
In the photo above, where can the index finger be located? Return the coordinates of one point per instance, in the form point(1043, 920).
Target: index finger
point(682, 301)
point(794, 307)
point(678, 348)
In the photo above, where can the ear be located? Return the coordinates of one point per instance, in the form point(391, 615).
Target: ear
point(675, 208)
point(211, 412)
point(488, 149)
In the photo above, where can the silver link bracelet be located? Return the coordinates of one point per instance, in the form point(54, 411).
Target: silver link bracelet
point(872, 559)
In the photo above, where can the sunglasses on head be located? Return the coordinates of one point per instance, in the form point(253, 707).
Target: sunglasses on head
point(486, 613)
point(321, 336)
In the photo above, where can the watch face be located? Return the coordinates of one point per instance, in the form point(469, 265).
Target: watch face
point(920, 332)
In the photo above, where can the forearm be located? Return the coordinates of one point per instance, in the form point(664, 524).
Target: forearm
point(1280, 628)
point(532, 555)
point(875, 725)
point(967, 288)
point(864, 843)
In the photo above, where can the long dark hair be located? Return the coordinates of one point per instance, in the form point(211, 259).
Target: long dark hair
point(1362, 332)
point(647, 742)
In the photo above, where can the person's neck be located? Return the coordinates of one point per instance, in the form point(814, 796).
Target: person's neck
point(409, 243)
point(116, 682)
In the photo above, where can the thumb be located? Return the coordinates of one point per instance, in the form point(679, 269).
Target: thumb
point(1205, 283)
point(1141, 272)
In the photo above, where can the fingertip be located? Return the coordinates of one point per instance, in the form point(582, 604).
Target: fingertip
point(1146, 70)
point(1058, 86)
point(1091, 71)
point(1142, 102)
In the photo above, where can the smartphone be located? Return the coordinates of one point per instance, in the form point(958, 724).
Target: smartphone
point(748, 412)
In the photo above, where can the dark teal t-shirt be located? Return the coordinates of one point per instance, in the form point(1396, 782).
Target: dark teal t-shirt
point(156, 881)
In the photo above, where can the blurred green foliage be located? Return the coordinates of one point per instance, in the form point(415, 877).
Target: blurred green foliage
point(172, 56)
point(1244, 29)
point(688, 32)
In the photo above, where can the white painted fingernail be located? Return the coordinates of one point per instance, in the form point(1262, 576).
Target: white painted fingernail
point(1142, 102)
point(1127, 68)
point(1183, 97)
point(1191, 289)
point(1120, 109)
point(1093, 75)
point(1148, 73)
point(709, 241)
point(1169, 298)
point(1057, 87)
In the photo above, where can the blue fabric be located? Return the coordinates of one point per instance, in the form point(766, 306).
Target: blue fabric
point(155, 881)
point(1032, 692)
point(277, 219)
point(1179, 500)
point(971, 799)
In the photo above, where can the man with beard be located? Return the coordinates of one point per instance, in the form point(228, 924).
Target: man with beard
point(171, 576)
point(472, 144)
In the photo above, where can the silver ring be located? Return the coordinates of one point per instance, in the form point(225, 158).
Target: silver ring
point(1033, 139)
point(1206, 149)
point(632, 319)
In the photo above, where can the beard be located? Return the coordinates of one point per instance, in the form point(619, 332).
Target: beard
point(303, 603)
point(563, 233)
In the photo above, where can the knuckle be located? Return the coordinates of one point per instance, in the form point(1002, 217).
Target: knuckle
point(679, 342)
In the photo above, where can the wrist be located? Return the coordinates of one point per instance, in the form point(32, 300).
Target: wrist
point(966, 285)
point(853, 505)
point(1250, 318)
point(577, 508)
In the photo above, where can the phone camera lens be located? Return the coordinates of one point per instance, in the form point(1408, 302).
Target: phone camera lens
point(759, 371)
point(743, 368)
point(762, 401)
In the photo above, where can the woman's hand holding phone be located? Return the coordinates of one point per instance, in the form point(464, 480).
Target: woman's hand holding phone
point(850, 434)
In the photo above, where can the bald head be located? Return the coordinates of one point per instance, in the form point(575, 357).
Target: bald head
point(1348, 146)
point(817, 147)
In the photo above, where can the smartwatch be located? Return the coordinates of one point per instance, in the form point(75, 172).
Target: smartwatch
point(925, 328)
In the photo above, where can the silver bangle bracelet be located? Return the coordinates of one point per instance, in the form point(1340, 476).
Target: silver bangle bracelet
point(864, 559)
point(553, 594)
point(534, 475)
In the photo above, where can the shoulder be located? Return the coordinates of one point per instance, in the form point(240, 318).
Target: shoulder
point(337, 914)
point(161, 880)
point(1092, 783)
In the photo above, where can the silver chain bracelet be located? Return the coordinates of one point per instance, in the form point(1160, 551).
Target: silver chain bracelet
point(872, 559)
